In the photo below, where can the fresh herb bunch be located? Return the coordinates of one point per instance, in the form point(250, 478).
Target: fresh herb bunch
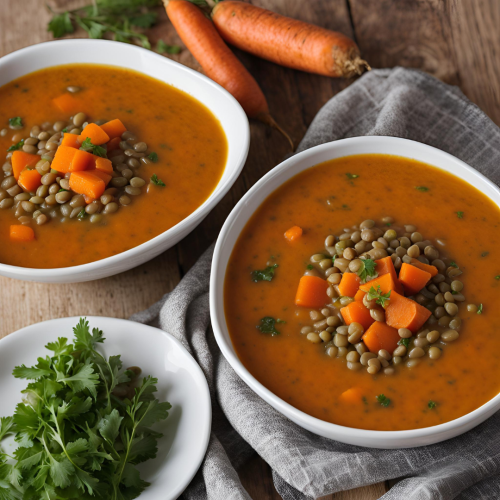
point(76, 438)
point(122, 20)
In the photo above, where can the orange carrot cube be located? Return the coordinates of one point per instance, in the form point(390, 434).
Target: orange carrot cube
point(87, 183)
point(312, 292)
point(95, 133)
point(381, 336)
point(356, 312)
point(21, 233)
point(413, 278)
point(294, 233)
point(114, 128)
point(70, 140)
point(29, 180)
point(349, 284)
point(20, 160)
point(403, 312)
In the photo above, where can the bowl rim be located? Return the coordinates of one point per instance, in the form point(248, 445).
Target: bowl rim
point(194, 217)
point(217, 279)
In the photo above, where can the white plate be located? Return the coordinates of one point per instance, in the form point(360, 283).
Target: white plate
point(180, 381)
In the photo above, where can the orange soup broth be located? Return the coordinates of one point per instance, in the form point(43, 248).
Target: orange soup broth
point(188, 138)
point(323, 200)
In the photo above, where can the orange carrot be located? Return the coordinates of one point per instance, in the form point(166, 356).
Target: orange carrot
point(381, 336)
point(63, 158)
point(288, 42)
point(114, 128)
point(413, 278)
point(87, 183)
point(29, 180)
point(68, 103)
point(349, 284)
point(20, 160)
point(359, 296)
point(71, 140)
point(356, 312)
point(218, 62)
point(294, 233)
point(95, 133)
point(385, 282)
point(82, 160)
point(352, 395)
point(104, 165)
point(102, 175)
point(432, 270)
point(312, 292)
point(21, 233)
point(114, 144)
point(384, 266)
point(403, 312)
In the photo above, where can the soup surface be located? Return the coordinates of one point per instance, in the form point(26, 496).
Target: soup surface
point(339, 194)
point(188, 139)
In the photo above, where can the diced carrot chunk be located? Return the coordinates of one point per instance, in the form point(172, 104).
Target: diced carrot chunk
point(352, 395)
point(356, 312)
point(359, 296)
point(349, 284)
point(312, 292)
point(70, 140)
point(21, 233)
point(384, 266)
point(385, 282)
point(104, 165)
point(381, 336)
point(102, 175)
point(20, 160)
point(29, 180)
point(403, 312)
point(294, 233)
point(95, 133)
point(432, 270)
point(68, 103)
point(63, 158)
point(114, 144)
point(87, 183)
point(114, 128)
point(413, 278)
point(82, 160)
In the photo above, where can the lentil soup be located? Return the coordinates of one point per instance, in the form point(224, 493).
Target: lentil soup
point(270, 333)
point(177, 154)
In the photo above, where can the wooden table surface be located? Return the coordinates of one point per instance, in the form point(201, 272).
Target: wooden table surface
point(457, 41)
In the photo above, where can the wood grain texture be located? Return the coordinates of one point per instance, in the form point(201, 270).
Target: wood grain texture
point(455, 40)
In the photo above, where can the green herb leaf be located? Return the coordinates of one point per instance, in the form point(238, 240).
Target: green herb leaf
point(82, 214)
point(405, 342)
point(352, 176)
point(423, 189)
point(367, 269)
point(379, 297)
point(16, 122)
point(92, 148)
point(17, 146)
point(164, 48)
point(453, 264)
point(480, 309)
point(65, 130)
point(309, 267)
point(268, 325)
point(156, 181)
point(383, 400)
point(266, 274)
point(460, 215)
point(153, 157)
point(497, 277)
point(61, 25)
point(432, 404)
point(454, 293)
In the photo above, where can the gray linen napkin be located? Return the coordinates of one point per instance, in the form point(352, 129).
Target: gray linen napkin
point(398, 102)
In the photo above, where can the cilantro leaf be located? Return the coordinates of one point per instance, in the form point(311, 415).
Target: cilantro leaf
point(61, 25)
point(268, 325)
point(383, 400)
point(379, 297)
point(153, 157)
point(6, 426)
point(109, 426)
point(367, 269)
point(16, 146)
point(32, 373)
point(16, 122)
point(156, 181)
point(84, 378)
point(92, 148)
point(266, 274)
point(84, 339)
point(164, 48)
point(61, 471)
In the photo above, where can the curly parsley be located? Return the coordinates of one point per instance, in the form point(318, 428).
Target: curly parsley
point(16, 122)
point(266, 274)
point(156, 181)
point(379, 297)
point(367, 269)
point(92, 148)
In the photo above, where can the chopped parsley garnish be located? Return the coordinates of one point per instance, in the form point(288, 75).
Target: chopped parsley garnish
point(422, 188)
point(153, 157)
point(383, 400)
point(310, 267)
point(92, 148)
point(453, 264)
point(16, 122)
point(432, 404)
point(405, 342)
point(268, 325)
point(480, 309)
point(460, 215)
point(352, 176)
point(64, 130)
point(17, 146)
point(379, 297)
point(266, 274)
point(82, 214)
point(367, 269)
point(156, 181)
point(164, 48)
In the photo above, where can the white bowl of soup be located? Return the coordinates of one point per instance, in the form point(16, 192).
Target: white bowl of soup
point(143, 146)
point(369, 358)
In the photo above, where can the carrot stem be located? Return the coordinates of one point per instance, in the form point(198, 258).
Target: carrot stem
point(269, 120)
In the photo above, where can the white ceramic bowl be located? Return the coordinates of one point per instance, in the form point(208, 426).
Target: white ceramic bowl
point(222, 104)
point(240, 216)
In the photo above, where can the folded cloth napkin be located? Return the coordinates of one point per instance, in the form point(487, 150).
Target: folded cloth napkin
point(399, 102)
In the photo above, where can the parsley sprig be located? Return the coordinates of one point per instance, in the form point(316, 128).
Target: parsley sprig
point(16, 146)
point(156, 181)
point(268, 325)
point(383, 400)
point(367, 269)
point(92, 148)
point(16, 122)
point(379, 297)
point(76, 438)
point(266, 274)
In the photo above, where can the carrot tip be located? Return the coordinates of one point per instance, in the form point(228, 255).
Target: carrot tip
point(269, 120)
point(355, 67)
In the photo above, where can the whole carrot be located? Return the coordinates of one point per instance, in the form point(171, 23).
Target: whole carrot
point(286, 41)
point(218, 62)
